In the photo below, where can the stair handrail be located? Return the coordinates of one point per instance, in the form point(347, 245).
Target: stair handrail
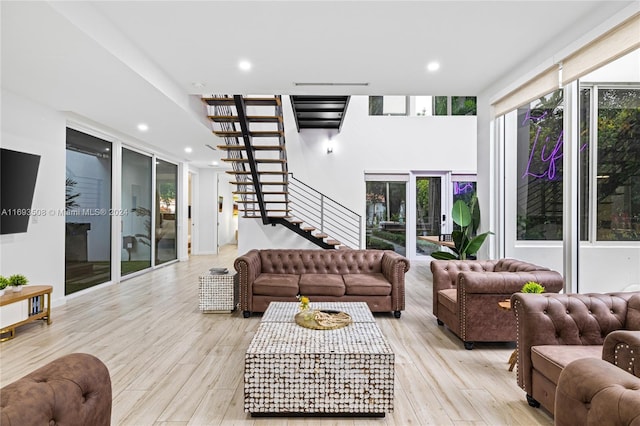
point(325, 214)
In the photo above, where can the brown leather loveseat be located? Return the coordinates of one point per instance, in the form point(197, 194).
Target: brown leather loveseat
point(372, 276)
point(557, 329)
point(466, 295)
point(74, 389)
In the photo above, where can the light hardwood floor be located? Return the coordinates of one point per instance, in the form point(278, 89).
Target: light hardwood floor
point(172, 365)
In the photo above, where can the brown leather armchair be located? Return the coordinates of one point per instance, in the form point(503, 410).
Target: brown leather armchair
point(556, 329)
point(74, 389)
point(466, 295)
point(594, 391)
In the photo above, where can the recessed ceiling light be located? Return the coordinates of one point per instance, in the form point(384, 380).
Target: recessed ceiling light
point(143, 127)
point(214, 163)
point(188, 150)
point(433, 66)
point(198, 84)
point(244, 65)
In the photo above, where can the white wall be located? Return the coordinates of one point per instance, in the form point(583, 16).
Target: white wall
point(207, 213)
point(366, 143)
point(39, 253)
point(227, 222)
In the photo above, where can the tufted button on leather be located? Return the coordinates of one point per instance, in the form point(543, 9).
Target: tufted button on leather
point(544, 312)
point(568, 312)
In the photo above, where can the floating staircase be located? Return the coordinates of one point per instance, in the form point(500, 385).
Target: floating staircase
point(253, 132)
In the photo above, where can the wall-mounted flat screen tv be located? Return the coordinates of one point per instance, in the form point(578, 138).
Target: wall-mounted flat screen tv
point(18, 173)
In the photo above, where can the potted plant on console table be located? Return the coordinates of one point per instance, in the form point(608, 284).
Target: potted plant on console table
point(16, 282)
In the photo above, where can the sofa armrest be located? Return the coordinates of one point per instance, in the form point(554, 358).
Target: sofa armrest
point(445, 274)
point(593, 392)
point(394, 266)
point(74, 389)
point(248, 266)
point(621, 348)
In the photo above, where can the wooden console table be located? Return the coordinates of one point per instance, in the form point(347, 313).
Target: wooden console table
point(23, 307)
point(435, 240)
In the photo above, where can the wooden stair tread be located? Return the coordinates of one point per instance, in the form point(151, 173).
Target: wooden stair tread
point(247, 101)
point(253, 133)
point(251, 118)
point(333, 242)
point(264, 192)
point(265, 201)
point(309, 229)
point(246, 172)
point(320, 235)
point(254, 147)
point(295, 221)
point(248, 183)
point(257, 160)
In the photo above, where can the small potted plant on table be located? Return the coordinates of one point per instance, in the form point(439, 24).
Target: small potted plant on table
point(16, 282)
point(4, 283)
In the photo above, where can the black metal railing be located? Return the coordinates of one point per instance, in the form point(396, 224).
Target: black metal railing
point(325, 214)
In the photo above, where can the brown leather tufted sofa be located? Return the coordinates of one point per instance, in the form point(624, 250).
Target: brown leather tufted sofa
point(372, 276)
point(466, 295)
point(556, 329)
point(74, 389)
point(592, 391)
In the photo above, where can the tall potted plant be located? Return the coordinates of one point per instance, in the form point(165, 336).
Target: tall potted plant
point(465, 240)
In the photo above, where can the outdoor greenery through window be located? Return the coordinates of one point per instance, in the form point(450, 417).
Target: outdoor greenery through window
point(386, 216)
point(422, 105)
point(539, 169)
point(616, 161)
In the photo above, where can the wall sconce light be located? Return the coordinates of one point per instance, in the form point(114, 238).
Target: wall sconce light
point(329, 146)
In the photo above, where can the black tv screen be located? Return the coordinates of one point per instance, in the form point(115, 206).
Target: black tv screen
point(18, 173)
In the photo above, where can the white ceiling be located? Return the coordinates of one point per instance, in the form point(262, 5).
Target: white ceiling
point(119, 63)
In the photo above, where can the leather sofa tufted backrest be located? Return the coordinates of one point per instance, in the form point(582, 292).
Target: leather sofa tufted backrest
point(74, 389)
point(633, 313)
point(575, 319)
point(276, 261)
point(514, 265)
point(451, 268)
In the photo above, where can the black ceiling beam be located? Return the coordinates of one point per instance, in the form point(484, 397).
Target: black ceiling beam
point(319, 112)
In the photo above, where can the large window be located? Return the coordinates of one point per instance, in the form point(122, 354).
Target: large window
point(136, 204)
point(539, 169)
point(615, 171)
point(88, 212)
point(422, 105)
point(166, 195)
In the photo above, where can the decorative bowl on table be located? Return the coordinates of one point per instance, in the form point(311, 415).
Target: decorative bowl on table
point(322, 319)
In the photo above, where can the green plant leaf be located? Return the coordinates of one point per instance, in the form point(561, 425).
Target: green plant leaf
point(461, 214)
point(443, 255)
point(474, 245)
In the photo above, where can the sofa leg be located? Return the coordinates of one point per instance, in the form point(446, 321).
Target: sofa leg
point(246, 314)
point(439, 321)
point(397, 314)
point(532, 402)
point(468, 345)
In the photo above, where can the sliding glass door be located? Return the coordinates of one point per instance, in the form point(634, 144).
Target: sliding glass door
point(166, 217)
point(87, 216)
point(428, 213)
point(386, 213)
point(137, 209)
